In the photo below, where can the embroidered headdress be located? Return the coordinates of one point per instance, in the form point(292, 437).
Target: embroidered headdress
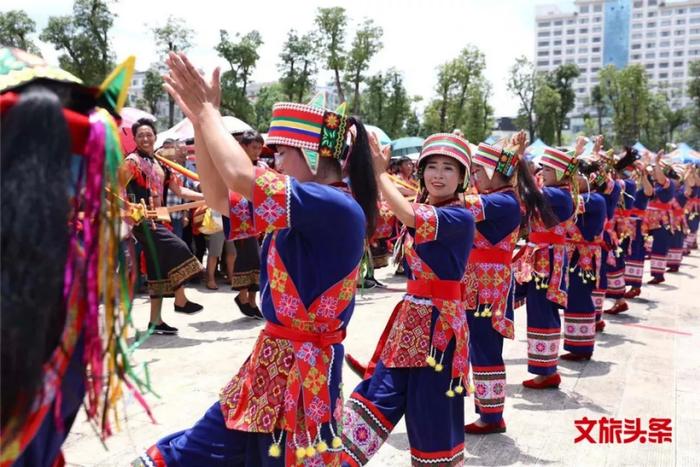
point(317, 131)
point(563, 163)
point(493, 158)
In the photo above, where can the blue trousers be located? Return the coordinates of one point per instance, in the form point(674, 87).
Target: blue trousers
point(210, 443)
point(488, 369)
point(435, 422)
point(659, 250)
point(634, 262)
point(579, 316)
point(543, 332)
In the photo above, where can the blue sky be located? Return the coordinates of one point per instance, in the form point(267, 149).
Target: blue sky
point(419, 35)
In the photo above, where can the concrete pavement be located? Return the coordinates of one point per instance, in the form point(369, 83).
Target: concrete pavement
point(646, 365)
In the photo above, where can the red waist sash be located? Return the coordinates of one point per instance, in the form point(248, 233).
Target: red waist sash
point(660, 206)
point(631, 212)
point(435, 288)
point(548, 238)
point(295, 335)
point(490, 255)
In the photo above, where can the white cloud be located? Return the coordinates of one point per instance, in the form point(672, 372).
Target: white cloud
point(419, 35)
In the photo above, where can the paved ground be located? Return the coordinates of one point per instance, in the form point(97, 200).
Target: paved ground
point(646, 365)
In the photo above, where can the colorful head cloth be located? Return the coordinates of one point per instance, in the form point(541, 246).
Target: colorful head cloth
point(493, 158)
point(450, 145)
point(563, 163)
point(317, 131)
point(98, 304)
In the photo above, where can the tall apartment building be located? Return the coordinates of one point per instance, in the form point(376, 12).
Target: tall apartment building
point(664, 37)
point(136, 94)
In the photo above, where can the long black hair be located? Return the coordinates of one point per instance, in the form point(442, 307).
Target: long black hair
point(536, 204)
point(35, 210)
point(361, 173)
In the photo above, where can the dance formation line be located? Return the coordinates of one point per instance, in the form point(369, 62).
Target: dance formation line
point(583, 226)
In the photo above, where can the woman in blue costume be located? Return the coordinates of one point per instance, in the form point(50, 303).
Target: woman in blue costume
point(636, 254)
point(284, 405)
point(547, 292)
point(586, 242)
point(60, 155)
point(505, 188)
point(674, 258)
point(659, 214)
point(423, 368)
point(624, 231)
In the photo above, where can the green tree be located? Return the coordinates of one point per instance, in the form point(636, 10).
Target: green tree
point(412, 127)
point(386, 103)
point(298, 65)
point(242, 56)
point(266, 98)
point(173, 36)
point(479, 119)
point(331, 23)
point(598, 101)
point(446, 85)
point(523, 82)
point(16, 27)
point(561, 80)
point(366, 44)
point(693, 111)
point(547, 101)
point(83, 37)
point(467, 68)
point(626, 92)
point(153, 90)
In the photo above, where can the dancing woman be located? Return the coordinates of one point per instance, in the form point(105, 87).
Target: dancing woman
point(285, 403)
point(423, 366)
point(506, 188)
point(547, 292)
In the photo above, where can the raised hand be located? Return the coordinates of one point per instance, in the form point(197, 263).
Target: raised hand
point(380, 155)
point(580, 145)
point(188, 88)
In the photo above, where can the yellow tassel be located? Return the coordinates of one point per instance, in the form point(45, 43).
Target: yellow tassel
point(450, 393)
point(275, 450)
point(459, 389)
point(498, 313)
point(322, 447)
point(310, 451)
point(476, 314)
point(438, 367)
point(471, 387)
point(300, 453)
point(336, 443)
point(430, 360)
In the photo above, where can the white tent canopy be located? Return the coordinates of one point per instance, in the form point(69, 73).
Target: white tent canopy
point(185, 131)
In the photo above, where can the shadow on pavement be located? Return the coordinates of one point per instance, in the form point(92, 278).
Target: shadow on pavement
point(497, 449)
point(234, 325)
point(168, 342)
point(607, 340)
point(588, 369)
point(551, 399)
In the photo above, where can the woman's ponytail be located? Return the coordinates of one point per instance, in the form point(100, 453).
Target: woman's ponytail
point(361, 173)
point(536, 204)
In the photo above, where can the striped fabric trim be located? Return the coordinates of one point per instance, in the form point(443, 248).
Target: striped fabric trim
point(487, 155)
point(446, 144)
point(558, 160)
point(451, 458)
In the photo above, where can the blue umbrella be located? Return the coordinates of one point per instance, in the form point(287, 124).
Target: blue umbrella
point(405, 146)
point(381, 134)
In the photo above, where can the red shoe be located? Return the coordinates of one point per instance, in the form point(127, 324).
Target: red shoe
point(633, 292)
point(358, 368)
point(474, 429)
point(617, 308)
point(599, 326)
point(551, 382)
point(656, 280)
point(576, 357)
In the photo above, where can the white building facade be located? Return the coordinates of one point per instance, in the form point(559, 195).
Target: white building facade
point(664, 37)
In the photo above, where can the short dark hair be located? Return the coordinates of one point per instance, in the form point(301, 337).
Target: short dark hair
point(143, 122)
point(251, 136)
